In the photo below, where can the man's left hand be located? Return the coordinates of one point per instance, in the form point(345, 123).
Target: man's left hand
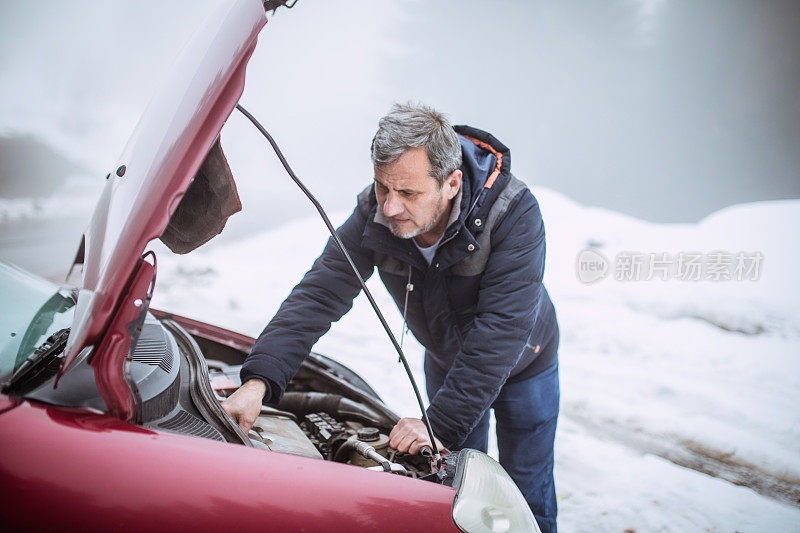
point(409, 435)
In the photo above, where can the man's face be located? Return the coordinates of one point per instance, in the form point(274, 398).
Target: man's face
point(411, 199)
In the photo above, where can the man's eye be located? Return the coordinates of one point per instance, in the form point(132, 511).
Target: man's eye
point(407, 194)
point(381, 188)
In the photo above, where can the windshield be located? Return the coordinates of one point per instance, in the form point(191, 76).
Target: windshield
point(31, 309)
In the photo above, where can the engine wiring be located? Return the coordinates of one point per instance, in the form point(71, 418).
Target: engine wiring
point(436, 460)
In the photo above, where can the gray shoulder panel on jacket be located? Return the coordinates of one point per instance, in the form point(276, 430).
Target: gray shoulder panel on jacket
point(363, 201)
point(476, 263)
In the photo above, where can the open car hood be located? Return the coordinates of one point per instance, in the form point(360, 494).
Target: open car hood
point(142, 197)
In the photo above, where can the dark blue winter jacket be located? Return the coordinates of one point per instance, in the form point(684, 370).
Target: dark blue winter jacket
point(480, 308)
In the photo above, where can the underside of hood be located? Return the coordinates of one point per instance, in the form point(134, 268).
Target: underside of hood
point(205, 207)
point(171, 181)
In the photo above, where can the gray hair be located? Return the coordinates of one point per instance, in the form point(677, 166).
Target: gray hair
point(413, 125)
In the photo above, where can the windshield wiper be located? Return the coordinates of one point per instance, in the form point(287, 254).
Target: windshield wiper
point(42, 320)
point(39, 366)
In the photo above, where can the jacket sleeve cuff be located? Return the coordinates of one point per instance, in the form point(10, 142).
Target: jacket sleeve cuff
point(246, 375)
point(441, 430)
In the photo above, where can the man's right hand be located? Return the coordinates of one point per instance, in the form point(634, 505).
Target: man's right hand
point(244, 405)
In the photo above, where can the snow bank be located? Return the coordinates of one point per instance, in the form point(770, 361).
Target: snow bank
point(768, 304)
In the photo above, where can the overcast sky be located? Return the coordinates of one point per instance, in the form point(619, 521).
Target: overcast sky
point(663, 109)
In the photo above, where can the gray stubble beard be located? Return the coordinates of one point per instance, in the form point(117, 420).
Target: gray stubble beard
point(422, 230)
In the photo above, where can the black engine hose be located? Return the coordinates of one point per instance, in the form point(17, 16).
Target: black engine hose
point(304, 403)
point(344, 451)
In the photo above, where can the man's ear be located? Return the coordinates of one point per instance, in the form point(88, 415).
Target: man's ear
point(453, 184)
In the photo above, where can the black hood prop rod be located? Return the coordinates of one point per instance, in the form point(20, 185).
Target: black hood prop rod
point(436, 455)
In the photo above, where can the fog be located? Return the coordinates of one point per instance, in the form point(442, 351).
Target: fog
point(666, 110)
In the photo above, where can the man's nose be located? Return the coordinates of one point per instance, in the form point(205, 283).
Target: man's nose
point(392, 206)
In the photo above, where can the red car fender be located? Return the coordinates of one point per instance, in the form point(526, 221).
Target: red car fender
point(68, 468)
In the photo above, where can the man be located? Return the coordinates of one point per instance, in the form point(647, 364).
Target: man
point(451, 229)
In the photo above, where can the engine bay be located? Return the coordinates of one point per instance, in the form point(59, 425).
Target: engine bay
point(323, 425)
point(181, 375)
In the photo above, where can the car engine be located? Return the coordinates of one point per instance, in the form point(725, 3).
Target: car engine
point(323, 425)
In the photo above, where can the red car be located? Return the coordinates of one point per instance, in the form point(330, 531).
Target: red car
point(110, 414)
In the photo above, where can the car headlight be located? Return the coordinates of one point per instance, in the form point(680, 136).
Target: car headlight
point(487, 500)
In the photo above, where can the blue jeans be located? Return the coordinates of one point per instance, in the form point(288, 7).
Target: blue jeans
point(526, 413)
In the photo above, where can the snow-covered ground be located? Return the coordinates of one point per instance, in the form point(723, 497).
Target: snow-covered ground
point(679, 397)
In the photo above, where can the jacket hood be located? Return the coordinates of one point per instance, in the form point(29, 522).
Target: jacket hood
point(484, 158)
point(486, 168)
